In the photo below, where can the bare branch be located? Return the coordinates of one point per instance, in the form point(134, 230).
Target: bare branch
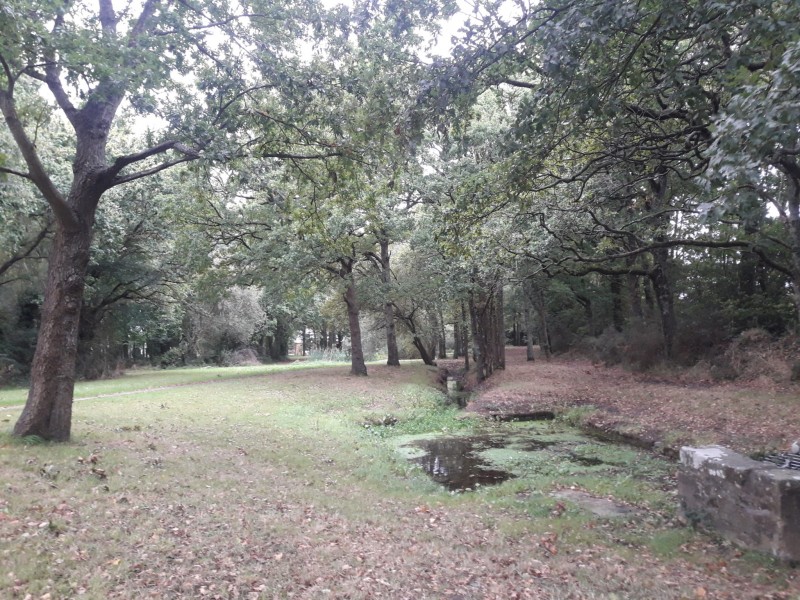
point(25, 253)
point(38, 175)
point(289, 156)
point(17, 173)
point(147, 172)
point(123, 161)
point(520, 84)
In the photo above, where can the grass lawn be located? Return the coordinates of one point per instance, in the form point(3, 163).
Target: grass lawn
point(139, 380)
point(279, 483)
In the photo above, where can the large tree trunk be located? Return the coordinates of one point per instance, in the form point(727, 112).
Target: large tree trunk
point(634, 292)
point(659, 275)
point(535, 293)
point(500, 327)
point(279, 341)
point(323, 337)
point(456, 339)
point(528, 334)
point(48, 411)
point(393, 355)
point(791, 168)
point(478, 351)
point(357, 365)
point(424, 354)
point(465, 335)
point(617, 316)
point(442, 335)
point(544, 331)
point(664, 298)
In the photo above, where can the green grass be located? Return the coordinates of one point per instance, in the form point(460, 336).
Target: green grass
point(267, 484)
point(137, 380)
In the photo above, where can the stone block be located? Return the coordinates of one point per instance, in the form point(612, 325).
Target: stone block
point(752, 503)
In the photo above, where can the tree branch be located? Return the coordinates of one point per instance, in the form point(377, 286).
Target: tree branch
point(27, 252)
point(38, 175)
point(108, 19)
point(123, 161)
point(147, 172)
point(52, 75)
point(17, 173)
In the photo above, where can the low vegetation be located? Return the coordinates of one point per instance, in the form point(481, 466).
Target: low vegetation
point(286, 483)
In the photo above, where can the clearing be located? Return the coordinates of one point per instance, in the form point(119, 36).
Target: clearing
point(288, 485)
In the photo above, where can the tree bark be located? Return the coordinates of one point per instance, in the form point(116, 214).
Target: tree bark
point(659, 275)
point(323, 337)
point(456, 339)
point(664, 299)
point(465, 335)
point(617, 316)
point(424, 354)
point(393, 355)
point(48, 410)
point(279, 341)
point(634, 292)
point(544, 332)
point(357, 365)
point(500, 326)
point(442, 335)
point(791, 168)
point(528, 334)
point(478, 352)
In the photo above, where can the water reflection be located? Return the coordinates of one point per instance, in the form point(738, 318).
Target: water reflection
point(456, 464)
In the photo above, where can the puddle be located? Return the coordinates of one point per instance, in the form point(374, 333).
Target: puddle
point(463, 463)
point(542, 415)
point(455, 462)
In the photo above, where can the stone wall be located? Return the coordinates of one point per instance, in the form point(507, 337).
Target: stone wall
point(754, 504)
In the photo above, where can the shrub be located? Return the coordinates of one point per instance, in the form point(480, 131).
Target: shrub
point(644, 349)
point(239, 358)
point(639, 349)
point(754, 354)
point(329, 355)
point(174, 357)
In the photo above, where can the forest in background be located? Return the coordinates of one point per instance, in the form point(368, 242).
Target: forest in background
point(213, 181)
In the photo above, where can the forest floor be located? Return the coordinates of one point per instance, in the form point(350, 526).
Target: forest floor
point(662, 411)
point(289, 485)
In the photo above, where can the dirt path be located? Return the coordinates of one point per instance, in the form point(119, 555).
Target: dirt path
point(747, 417)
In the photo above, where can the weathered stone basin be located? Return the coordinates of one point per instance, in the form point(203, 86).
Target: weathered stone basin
point(752, 503)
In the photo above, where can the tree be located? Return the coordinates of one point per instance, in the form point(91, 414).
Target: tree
point(90, 60)
point(619, 116)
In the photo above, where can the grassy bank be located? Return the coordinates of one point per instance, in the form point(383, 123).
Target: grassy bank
point(287, 484)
